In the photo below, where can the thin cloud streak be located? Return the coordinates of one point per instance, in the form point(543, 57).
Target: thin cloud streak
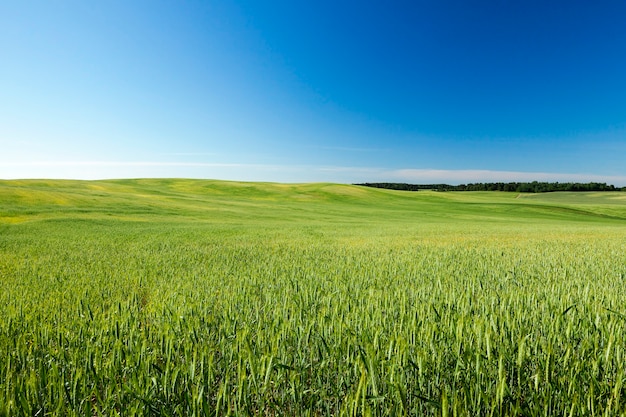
point(95, 170)
point(129, 164)
point(349, 149)
point(191, 154)
point(469, 176)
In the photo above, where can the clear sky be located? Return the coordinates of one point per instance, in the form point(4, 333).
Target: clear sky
point(343, 91)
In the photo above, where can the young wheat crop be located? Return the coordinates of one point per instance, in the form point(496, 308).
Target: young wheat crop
point(226, 314)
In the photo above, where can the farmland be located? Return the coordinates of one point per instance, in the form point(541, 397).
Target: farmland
point(190, 297)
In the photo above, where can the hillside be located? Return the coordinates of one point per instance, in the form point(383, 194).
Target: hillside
point(228, 202)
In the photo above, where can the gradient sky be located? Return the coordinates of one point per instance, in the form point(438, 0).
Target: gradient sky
point(353, 91)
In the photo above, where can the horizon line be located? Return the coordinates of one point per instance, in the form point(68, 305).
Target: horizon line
point(299, 173)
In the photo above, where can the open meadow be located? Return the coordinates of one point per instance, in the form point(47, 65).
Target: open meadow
point(193, 297)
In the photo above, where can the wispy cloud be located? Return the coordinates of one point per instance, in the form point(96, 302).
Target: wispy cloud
point(191, 154)
point(126, 164)
point(350, 149)
point(431, 176)
point(468, 176)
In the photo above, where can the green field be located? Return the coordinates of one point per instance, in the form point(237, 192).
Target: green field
point(191, 297)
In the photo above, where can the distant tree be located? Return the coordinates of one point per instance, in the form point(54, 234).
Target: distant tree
point(520, 187)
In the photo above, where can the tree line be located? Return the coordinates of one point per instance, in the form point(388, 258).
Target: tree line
point(519, 187)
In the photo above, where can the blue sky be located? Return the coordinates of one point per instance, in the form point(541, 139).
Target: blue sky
point(416, 91)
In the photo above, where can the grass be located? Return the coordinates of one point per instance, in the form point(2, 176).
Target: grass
point(188, 297)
